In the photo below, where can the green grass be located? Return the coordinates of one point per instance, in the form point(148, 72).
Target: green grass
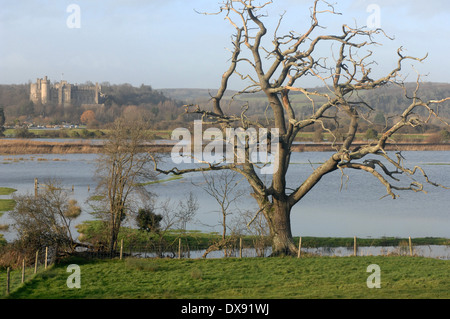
point(314, 242)
point(252, 278)
point(7, 205)
point(7, 190)
point(201, 240)
point(172, 178)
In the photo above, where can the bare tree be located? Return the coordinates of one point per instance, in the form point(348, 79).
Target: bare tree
point(277, 71)
point(169, 219)
point(44, 219)
point(222, 186)
point(122, 172)
point(258, 228)
point(187, 209)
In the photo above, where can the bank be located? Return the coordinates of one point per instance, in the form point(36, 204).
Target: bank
point(30, 146)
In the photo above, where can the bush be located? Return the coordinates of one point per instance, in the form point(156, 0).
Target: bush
point(44, 220)
point(371, 134)
point(445, 135)
point(148, 221)
point(23, 132)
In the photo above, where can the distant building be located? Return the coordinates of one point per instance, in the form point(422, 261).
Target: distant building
point(64, 93)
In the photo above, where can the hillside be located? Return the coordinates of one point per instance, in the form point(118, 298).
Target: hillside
point(389, 99)
point(246, 278)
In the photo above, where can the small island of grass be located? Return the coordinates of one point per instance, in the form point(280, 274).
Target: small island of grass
point(7, 190)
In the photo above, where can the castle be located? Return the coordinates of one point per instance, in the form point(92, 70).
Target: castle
point(64, 94)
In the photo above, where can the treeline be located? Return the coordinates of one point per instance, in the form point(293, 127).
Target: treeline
point(163, 109)
point(159, 110)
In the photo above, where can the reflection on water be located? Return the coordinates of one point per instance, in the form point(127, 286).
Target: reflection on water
point(432, 251)
point(329, 210)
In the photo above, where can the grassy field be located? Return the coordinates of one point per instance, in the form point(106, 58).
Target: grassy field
point(247, 278)
point(7, 205)
point(7, 190)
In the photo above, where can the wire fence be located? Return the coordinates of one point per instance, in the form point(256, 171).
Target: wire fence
point(11, 279)
point(239, 248)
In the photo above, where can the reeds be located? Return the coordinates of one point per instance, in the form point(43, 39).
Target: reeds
point(17, 147)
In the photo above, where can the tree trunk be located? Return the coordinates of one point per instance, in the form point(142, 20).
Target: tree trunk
point(279, 221)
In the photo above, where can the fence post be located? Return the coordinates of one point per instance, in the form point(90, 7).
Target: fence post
point(23, 270)
point(240, 247)
point(35, 187)
point(354, 246)
point(299, 247)
point(36, 261)
point(410, 247)
point(179, 248)
point(46, 256)
point(121, 248)
point(7, 281)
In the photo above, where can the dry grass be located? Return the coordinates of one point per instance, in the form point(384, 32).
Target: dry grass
point(20, 146)
point(16, 147)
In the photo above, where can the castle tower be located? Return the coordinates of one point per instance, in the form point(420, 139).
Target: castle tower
point(64, 93)
point(35, 92)
point(45, 90)
point(97, 92)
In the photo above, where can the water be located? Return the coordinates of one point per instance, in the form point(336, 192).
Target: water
point(430, 251)
point(327, 211)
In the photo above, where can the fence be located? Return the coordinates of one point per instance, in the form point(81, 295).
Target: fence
point(238, 247)
point(12, 278)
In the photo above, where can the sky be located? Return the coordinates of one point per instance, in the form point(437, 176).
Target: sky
point(169, 44)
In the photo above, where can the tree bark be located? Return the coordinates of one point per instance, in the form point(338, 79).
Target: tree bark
point(279, 220)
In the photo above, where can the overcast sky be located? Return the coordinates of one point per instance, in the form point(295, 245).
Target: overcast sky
point(166, 44)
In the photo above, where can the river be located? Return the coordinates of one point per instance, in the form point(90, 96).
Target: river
point(327, 211)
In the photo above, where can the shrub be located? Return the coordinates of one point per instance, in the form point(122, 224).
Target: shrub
point(371, 134)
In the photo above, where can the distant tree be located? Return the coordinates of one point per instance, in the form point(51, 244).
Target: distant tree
point(2, 121)
point(122, 170)
point(379, 118)
point(187, 209)
point(23, 132)
point(371, 134)
point(148, 221)
point(445, 135)
point(318, 134)
point(87, 117)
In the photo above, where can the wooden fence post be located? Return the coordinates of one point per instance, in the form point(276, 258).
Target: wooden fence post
point(46, 256)
point(121, 249)
point(36, 261)
point(7, 281)
point(23, 270)
point(299, 247)
point(179, 248)
point(240, 247)
point(35, 187)
point(410, 247)
point(354, 246)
